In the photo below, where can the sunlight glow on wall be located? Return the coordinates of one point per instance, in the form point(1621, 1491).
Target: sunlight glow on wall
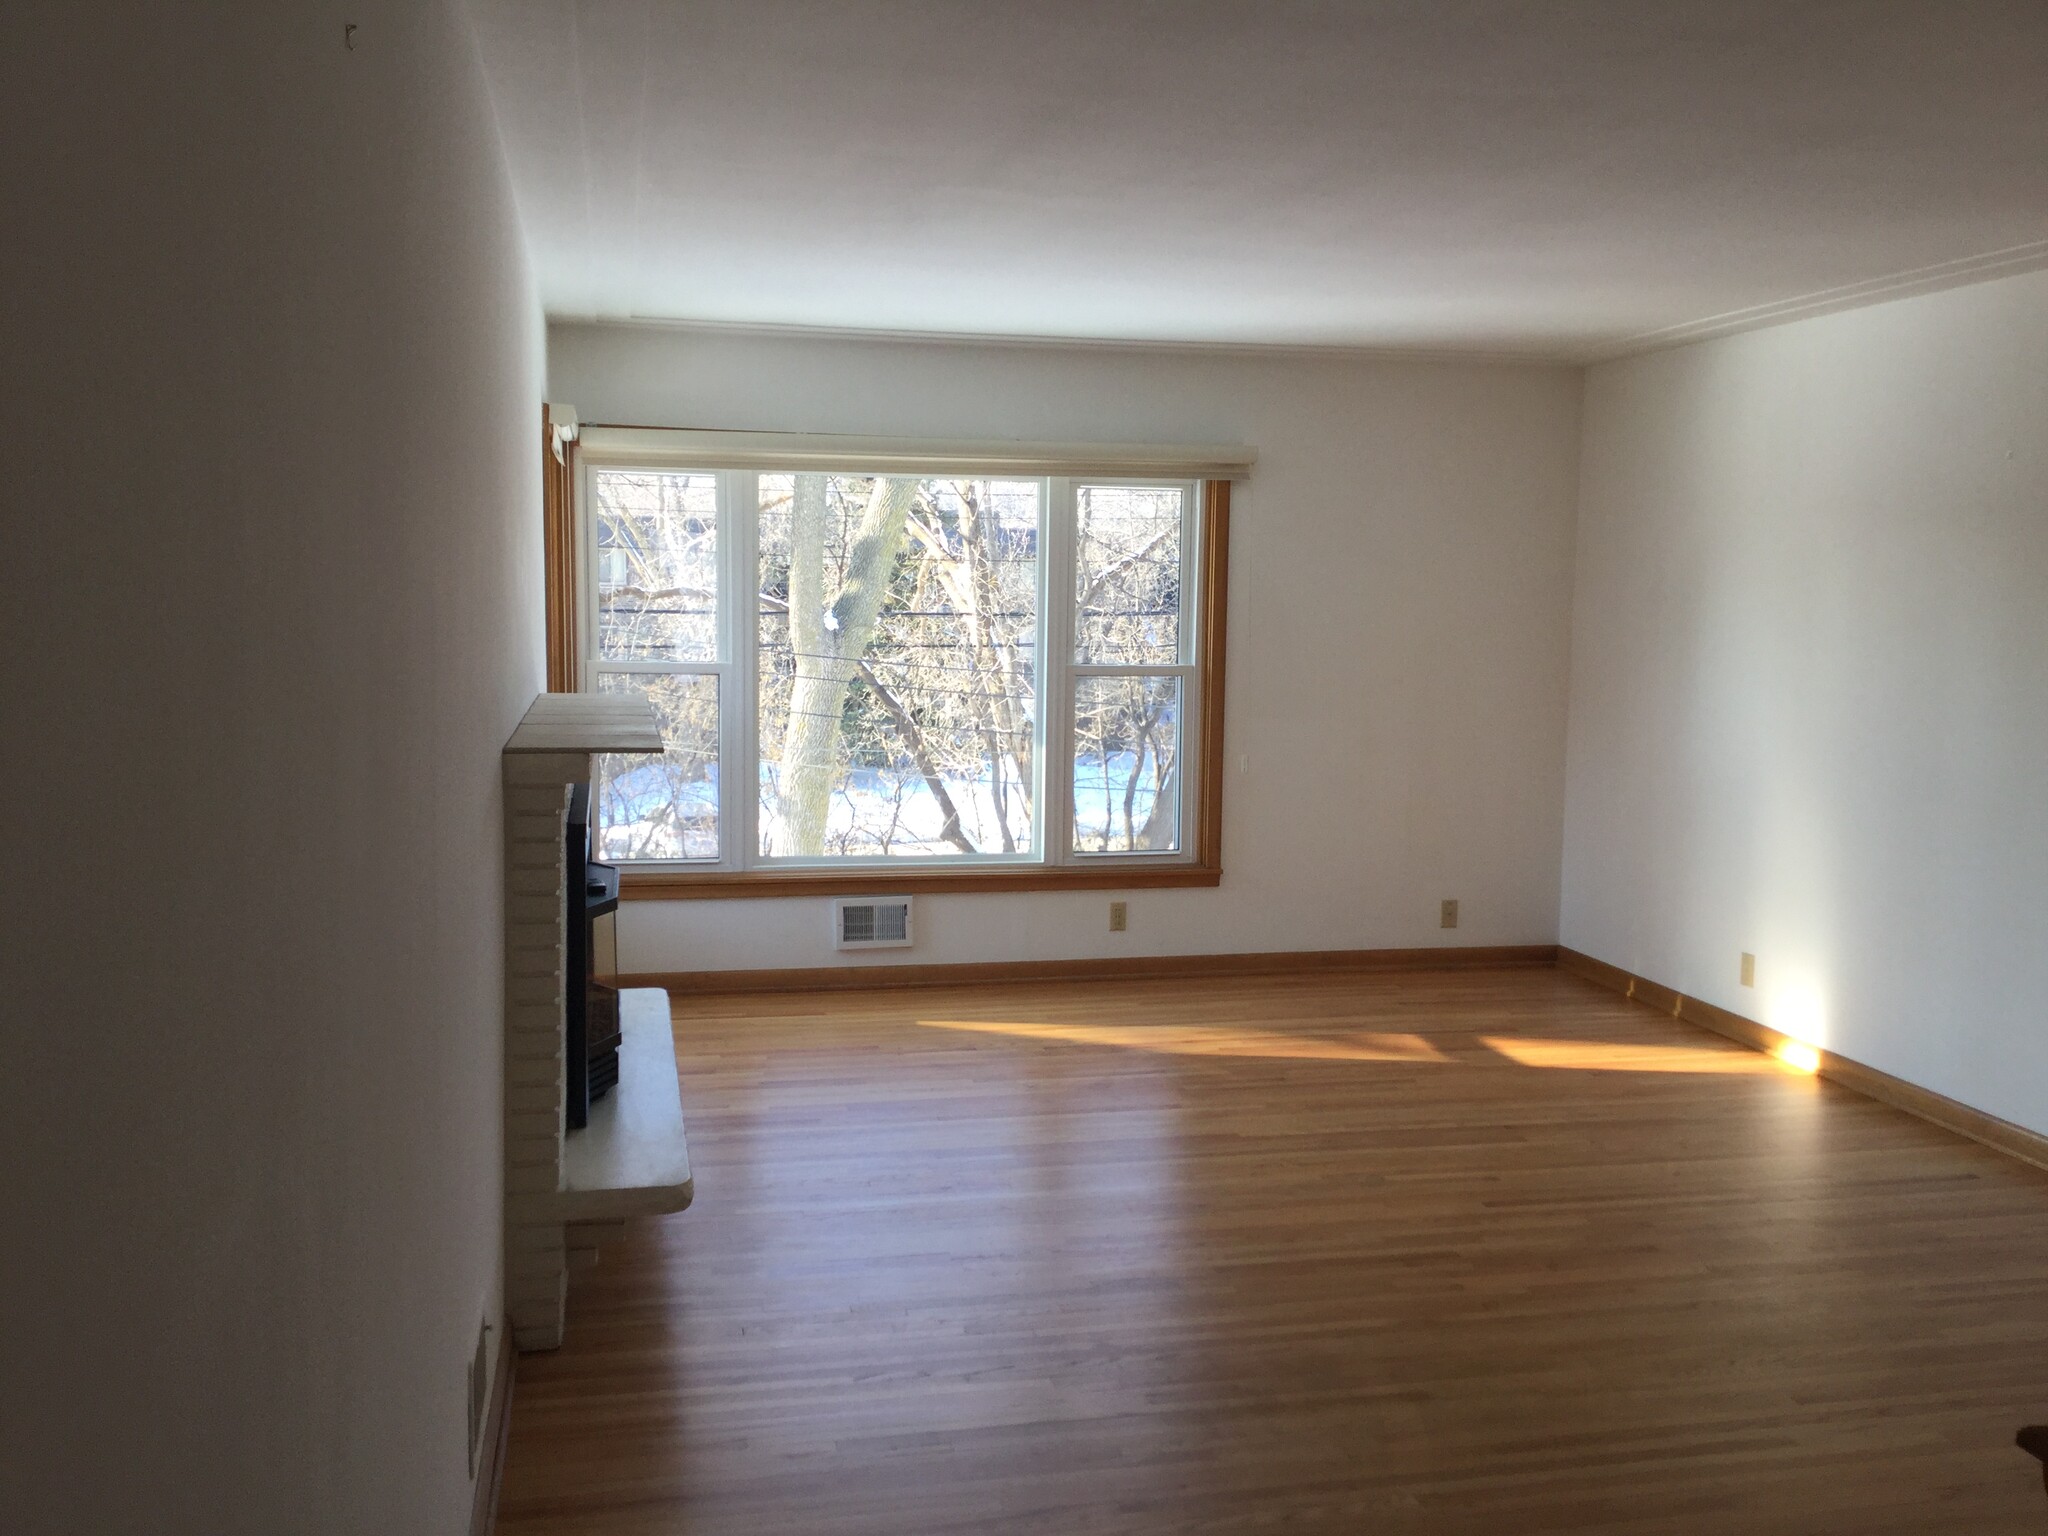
point(1796, 1008)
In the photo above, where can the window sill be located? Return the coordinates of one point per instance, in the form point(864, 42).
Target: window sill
point(723, 885)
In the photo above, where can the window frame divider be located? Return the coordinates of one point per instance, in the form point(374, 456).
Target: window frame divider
point(739, 790)
point(1056, 690)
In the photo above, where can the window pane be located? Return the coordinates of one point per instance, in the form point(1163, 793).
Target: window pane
point(666, 806)
point(1127, 575)
point(898, 656)
point(657, 565)
point(1127, 765)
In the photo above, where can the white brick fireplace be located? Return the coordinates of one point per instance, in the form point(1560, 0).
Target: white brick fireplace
point(563, 1189)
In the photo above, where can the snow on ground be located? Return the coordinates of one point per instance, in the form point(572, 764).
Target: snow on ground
point(874, 811)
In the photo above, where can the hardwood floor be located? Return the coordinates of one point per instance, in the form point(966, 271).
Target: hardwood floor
point(1484, 1252)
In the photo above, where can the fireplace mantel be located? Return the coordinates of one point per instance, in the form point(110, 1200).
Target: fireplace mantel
point(584, 723)
point(551, 750)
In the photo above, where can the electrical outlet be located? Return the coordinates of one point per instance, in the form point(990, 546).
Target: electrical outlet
point(1749, 970)
point(1450, 915)
point(1119, 916)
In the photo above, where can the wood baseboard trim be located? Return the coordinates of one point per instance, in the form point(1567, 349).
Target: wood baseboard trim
point(490, 1472)
point(1938, 1109)
point(846, 978)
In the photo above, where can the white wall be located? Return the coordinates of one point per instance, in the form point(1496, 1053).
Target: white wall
point(1810, 683)
point(268, 607)
point(1400, 571)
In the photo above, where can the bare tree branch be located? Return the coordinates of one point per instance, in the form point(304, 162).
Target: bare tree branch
point(914, 743)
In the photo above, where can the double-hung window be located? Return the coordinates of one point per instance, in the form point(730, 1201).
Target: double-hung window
point(958, 674)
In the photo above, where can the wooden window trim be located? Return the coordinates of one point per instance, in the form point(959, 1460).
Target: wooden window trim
point(558, 538)
point(671, 884)
point(720, 885)
point(1214, 588)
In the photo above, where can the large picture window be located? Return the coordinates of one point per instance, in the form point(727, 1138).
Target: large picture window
point(976, 678)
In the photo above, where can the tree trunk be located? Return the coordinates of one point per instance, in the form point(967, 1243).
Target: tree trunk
point(829, 645)
point(1164, 820)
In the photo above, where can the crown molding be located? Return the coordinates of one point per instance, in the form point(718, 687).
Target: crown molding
point(1531, 357)
point(1961, 273)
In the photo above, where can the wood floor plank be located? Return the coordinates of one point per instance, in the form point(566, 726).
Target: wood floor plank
point(1430, 1253)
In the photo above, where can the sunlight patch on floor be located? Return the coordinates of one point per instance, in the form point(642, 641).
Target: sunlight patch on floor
point(1413, 1049)
point(1207, 1040)
point(1603, 1056)
point(1797, 1055)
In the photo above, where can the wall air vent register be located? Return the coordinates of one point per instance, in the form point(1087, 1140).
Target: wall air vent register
point(871, 923)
